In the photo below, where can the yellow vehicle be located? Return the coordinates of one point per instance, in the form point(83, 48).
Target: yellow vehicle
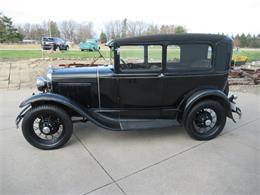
point(239, 60)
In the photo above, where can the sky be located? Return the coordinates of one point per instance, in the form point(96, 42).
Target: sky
point(198, 16)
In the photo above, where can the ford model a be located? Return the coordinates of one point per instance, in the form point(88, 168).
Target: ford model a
point(151, 82)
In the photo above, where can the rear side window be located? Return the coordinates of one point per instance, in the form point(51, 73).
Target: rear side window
point(189, 57)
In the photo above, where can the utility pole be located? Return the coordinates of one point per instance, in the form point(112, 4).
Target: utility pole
point(49, 24)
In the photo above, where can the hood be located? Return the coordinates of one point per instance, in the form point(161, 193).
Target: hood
point(79, 73)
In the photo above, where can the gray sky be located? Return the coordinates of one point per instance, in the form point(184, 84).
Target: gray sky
point(199, 16)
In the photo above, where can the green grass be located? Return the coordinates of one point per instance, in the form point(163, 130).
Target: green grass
point(253, 55)
point(27, 54)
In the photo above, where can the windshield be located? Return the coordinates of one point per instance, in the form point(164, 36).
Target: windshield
point(111, 56)
point(91, 41)
point(48, 39)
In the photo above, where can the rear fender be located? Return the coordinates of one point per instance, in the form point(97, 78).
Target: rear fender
point(212, 94)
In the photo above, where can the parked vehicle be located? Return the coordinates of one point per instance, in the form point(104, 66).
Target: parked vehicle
point(89, 45)
point(239, 60)
point(151, 82)
point(54, 43)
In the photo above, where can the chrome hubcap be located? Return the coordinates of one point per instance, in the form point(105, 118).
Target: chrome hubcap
point(46, 130)
point(205, 120)
point(208, 122)
point(48, 127)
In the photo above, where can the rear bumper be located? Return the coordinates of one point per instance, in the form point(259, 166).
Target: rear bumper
point(234, 108)
point(47, 47)
point(21, 115)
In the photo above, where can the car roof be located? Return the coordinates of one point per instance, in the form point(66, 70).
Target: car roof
point(167, 37)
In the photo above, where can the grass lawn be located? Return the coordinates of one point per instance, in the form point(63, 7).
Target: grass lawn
point(28, 54)
point(252, 54)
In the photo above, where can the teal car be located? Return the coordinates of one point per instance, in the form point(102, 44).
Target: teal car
point(89, 45)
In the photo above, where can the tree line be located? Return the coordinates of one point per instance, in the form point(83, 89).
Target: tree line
point(77, 32)
point(69, 30)
point(251, 41)
point(125, 28)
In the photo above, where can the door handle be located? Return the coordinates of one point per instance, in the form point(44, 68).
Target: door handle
point(160, 75)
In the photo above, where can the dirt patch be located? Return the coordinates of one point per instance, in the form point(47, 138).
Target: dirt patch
point(18, 74)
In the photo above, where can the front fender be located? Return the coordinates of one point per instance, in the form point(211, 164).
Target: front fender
point(50, 97)
point(56, 98)
point(53, 97)
point(210, 94)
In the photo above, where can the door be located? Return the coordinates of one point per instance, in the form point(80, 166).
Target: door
point(189, 67)
point(140, 84)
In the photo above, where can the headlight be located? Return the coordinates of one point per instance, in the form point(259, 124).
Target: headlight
point(49, 76)
point(41, 83)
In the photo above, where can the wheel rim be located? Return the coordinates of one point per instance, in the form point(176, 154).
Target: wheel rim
point(47, 128)
point(205, 121)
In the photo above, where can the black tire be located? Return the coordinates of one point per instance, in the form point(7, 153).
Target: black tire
point(195, 122)
point(55, 47)
point(54, 113)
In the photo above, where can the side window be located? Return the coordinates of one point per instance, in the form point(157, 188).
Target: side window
point(140, 58)
point(173, 54)
point(189, 57)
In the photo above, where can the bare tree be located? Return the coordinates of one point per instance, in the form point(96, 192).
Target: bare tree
point(152, 29)
point(124, 28)
point(113, 29)
point(85, 31)
point(137, 28)
point(167, 29)
point(109, 30)
point(33, 31)
point(68, 29)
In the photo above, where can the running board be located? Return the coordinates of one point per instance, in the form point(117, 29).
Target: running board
point(133, 124)
point(114, 123)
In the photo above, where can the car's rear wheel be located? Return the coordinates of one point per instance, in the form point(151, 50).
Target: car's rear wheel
point(205, 120)
point(47, 127)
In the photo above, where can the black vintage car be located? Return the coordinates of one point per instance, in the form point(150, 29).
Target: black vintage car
point(151, 82)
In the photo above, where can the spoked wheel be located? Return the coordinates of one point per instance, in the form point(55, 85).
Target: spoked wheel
point(47, 127)
point(205, 120)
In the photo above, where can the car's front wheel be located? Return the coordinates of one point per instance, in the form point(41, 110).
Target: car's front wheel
point(205, 120)
point(47, 127)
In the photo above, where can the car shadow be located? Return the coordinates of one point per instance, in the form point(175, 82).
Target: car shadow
point(87, 130)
